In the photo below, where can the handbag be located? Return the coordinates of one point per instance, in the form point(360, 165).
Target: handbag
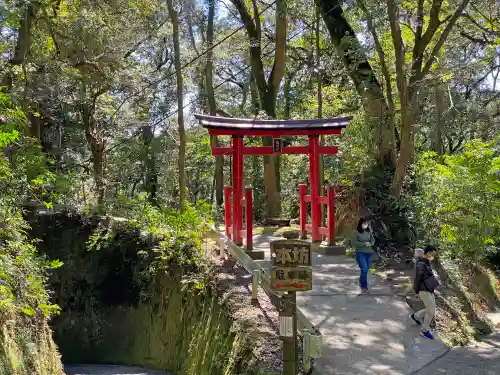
point(431, 283)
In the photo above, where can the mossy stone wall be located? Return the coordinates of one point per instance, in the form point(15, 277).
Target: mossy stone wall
point(116, 311)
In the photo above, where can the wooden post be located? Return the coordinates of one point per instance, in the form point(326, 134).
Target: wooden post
point(288, 333)
point(227, 210)
point(331, 216)
point(249, 218)
point(302, 210)
point(306, 359)
point(314, 187)
point(255, 285)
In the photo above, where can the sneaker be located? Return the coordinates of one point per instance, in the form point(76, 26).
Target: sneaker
point(364, 292)
point(414, 319)
point(427, 335)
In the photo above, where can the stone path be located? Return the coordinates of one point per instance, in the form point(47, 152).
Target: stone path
point(109, 370)
point(372, 334)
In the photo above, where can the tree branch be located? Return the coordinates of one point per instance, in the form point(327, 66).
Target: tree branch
point(278, 70)
point(434, 23)
point(482, 42)
point(255, 46)
point(443, 37)
point(381, 56)
point(399, 48)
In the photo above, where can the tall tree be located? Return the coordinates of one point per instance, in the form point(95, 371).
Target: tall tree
point(28, 12)
point(212, 104)
point(174, 18)
point(362, 75)
point(268, 89)
point(429, 38)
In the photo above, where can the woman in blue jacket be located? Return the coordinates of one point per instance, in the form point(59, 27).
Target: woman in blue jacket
point(363, 241)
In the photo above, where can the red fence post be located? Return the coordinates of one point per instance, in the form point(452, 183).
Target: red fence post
point(302, 210)
point(227, 210)
point(314, 187)
point(331, 215)
point(249, 217)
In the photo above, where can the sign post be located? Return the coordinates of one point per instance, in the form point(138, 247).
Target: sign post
point(291, 271)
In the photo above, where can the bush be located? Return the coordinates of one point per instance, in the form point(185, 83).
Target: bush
point(459, 200)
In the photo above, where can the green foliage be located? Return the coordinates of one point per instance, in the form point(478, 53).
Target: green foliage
point(459, 200)
point(25, 306)
point(178, 235)
point(22, 271)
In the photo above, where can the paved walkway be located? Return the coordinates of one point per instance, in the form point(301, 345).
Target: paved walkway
point(372, 334)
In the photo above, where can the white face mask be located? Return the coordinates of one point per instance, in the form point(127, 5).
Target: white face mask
point(364, 226)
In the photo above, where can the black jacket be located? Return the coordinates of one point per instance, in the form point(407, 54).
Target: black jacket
point(424, 277)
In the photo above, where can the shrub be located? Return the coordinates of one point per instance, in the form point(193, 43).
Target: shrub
point(459, 200)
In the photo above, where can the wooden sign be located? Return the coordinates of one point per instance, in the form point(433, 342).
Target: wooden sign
point(277, 145)
point(291, 267)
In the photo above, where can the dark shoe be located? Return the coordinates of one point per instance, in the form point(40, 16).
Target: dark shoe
point(427, 335)
point(415, 320)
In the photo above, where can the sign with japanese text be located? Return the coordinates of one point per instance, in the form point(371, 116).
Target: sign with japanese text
point(291, 267)
point(277, 145)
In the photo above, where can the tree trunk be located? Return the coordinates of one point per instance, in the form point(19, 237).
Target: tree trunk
point(254, 95)
point(437, 134)
point(409, 88)
point(95, 140)
point(96, 144)
point(23, 44)
point(267, 89)
point(97, 149)
point(149, 162)
point(212, 105)
point(362, 75)
point(35, 126)
point(174, 17)
point(406, 99)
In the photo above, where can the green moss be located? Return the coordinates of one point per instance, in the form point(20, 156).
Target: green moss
point(175, 330)
point(26, 347)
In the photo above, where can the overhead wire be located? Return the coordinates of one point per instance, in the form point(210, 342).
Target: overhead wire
point(199, 96)
point(169, 75)
point(194, 59)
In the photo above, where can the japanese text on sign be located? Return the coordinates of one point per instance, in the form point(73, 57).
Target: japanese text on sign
point(277, 145)
point(291, 265)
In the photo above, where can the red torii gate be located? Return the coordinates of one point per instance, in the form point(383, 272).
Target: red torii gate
point(238, 128)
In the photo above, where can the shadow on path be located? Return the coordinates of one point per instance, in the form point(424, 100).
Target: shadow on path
point(361, 334)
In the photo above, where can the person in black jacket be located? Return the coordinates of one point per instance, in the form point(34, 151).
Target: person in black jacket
point(424, 285)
